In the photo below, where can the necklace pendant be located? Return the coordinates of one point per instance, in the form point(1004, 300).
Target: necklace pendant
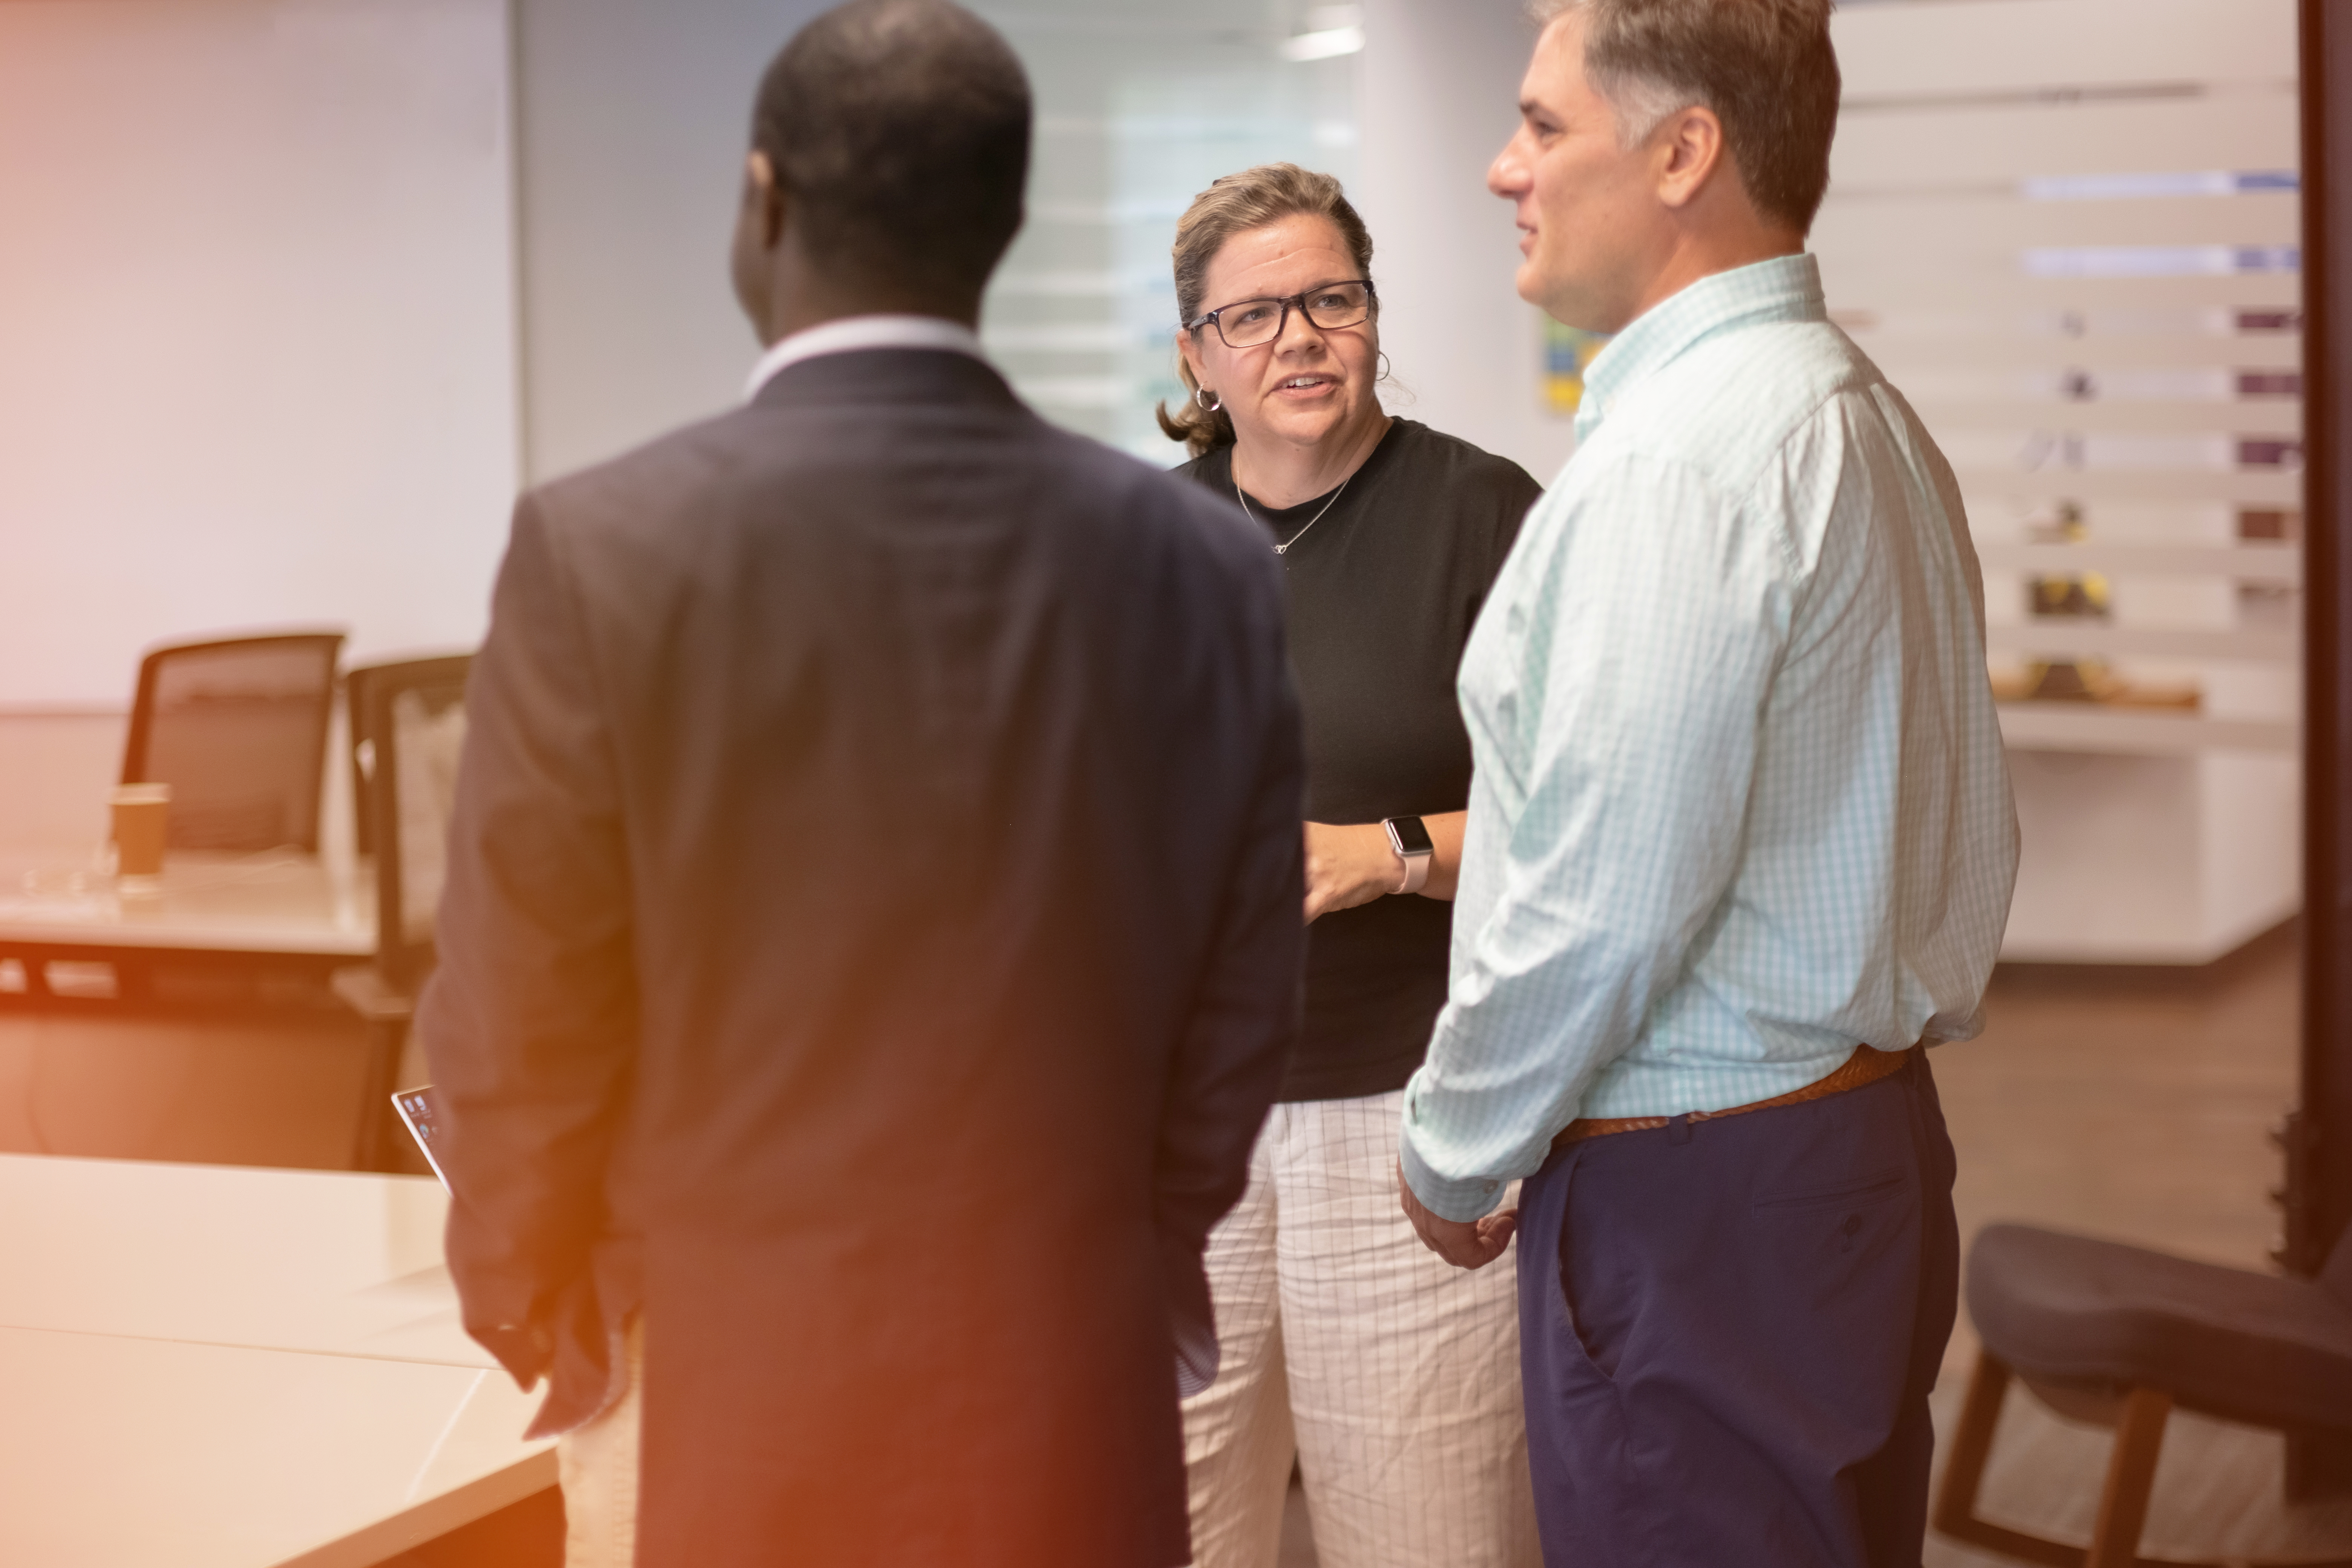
point(1284, 548)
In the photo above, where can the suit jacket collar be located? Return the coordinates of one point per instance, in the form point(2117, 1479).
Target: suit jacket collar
point(848, 334)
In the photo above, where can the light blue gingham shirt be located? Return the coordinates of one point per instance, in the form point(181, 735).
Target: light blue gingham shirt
point(1740, 803)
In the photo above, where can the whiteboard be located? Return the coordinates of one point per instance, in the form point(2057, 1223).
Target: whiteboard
point(258, 357)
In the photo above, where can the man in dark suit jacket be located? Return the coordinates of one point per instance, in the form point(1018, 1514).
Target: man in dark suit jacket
point(871, 929)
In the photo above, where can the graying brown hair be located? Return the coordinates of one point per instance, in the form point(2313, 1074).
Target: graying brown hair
point(1235, 204)
point(1766, 68)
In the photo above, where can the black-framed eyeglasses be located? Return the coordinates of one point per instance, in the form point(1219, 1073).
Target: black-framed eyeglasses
point(1246, 323)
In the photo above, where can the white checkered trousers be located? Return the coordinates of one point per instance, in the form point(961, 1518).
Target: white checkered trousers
point(1391, 1377)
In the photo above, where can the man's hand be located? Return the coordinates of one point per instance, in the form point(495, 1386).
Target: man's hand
point(1472, 1244)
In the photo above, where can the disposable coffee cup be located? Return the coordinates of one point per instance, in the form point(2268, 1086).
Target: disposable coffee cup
point(140, 814)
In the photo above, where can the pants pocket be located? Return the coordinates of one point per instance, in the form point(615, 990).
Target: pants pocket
point(1584, 1299)
point(1854, 1192)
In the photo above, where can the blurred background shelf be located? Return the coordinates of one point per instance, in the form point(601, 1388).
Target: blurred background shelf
point(2123, 731)
point(2073, 242)
point(2265, 489)
point(2240, 562)
point(2058, 637)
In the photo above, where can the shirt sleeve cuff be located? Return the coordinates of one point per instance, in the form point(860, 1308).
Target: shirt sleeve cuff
point(1461, 1202)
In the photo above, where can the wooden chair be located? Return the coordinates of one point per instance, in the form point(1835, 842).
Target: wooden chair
point(2122, 1336)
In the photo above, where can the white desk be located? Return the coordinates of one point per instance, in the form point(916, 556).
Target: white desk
point(229, 939)
point(278, 904)
point(329, 1261)
point(220, 1368)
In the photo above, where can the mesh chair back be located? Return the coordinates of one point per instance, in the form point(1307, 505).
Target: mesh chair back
point(408, 728)
point(238, 729)
point(357, 706)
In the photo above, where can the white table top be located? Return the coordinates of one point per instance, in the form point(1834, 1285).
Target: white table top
point(337, 1262)
point(129, 1453)
point(222, 1368)
point(280, 902)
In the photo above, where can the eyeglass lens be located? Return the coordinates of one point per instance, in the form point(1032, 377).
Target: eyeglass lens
point(1255, 322)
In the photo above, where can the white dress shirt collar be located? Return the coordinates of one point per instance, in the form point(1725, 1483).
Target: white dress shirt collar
point(851, 333)
point(1783, 289)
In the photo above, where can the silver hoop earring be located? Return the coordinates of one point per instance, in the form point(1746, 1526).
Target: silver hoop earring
point(1385, 368)
point(1202, 394)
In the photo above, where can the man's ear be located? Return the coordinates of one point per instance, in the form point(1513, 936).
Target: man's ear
point(764, 199)
point(1688, 152)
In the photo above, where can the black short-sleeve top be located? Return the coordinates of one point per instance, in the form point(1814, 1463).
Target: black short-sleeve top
point(1383, 588)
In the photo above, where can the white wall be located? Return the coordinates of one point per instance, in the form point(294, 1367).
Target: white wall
point(1441, 88)
point(56, 770)
point(632, 123)
point(256, 299)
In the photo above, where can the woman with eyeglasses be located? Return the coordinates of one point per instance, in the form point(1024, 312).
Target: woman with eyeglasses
point(1390, 1376)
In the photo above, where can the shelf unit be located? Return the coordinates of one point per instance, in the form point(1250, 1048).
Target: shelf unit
point(2051, 638)
point(2053, 727)
point(2280, 563)
point(2072, 240)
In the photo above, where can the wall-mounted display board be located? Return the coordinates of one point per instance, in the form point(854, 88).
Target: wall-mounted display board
point(2069, 230)
point(256, 327)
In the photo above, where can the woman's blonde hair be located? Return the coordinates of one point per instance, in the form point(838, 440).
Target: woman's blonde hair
point(1235, 204)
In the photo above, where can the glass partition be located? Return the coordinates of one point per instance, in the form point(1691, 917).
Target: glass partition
point(1140, 107)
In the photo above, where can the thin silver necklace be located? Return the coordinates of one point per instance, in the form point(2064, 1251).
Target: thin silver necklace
point(1284, 548)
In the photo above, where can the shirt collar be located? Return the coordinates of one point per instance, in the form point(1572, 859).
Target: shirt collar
point(851, 333)
point(1785, 289)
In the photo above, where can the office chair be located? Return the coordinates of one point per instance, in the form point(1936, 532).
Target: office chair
point(238, 729)
point(408, 726)
point(2122, 1336)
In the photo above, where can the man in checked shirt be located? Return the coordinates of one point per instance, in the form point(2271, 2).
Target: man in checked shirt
point(1740, 842)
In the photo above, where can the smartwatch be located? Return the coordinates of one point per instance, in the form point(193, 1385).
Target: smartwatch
point(1412, 843)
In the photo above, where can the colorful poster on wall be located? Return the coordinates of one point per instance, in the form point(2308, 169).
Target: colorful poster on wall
point(1566, 352)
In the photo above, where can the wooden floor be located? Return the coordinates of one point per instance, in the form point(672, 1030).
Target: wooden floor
point(2129, 1104)
point(2135, 1105)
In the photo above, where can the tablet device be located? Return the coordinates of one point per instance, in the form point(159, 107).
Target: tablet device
point(421, 1114)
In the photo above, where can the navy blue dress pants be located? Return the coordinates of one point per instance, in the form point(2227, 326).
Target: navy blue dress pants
point(1729, 1331)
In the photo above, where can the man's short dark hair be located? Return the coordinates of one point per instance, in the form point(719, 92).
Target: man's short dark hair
point(1765, 67)
point(900, 127)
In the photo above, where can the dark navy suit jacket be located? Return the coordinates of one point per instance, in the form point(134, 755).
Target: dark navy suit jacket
point(871, 944)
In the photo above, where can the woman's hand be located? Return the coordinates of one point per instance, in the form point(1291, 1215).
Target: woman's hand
point(1349, 866)
point(1354, 865)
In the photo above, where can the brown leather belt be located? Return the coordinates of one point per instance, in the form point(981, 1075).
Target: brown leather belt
point(1866, 1066)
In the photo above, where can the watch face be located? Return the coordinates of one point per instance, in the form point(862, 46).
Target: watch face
point(1409, 835)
